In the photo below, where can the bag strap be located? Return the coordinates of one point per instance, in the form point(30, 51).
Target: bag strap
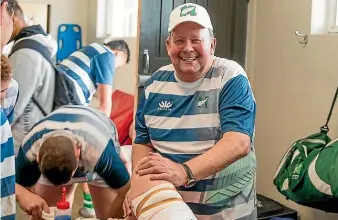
point(325, 127)
point(37, 103)
point(34, 45)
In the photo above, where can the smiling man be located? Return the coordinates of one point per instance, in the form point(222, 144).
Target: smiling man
point(195, 123)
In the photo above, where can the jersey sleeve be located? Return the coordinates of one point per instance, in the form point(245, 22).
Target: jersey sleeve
point(111, 168)
point(237, 107)
point(142, 135)
point(27, 173)
point(103, 68)
point(11, 99)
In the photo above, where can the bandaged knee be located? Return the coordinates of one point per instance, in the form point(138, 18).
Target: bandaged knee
point(161, 202)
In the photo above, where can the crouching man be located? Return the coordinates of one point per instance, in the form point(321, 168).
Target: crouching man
point(71, 145)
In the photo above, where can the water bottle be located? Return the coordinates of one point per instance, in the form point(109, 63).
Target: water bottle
point(63, 210)
point(49, 216)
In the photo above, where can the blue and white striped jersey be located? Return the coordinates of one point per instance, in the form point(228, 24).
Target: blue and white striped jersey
point(184, 120)
point(7, 169)
point(7, 155)
point(91, 65)
point(94, 131)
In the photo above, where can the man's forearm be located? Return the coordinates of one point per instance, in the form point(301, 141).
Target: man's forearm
point(20, 190)
point(232, 147)
point(106, 109)
point(139, 151)
point(105, 106)
point(105, 98)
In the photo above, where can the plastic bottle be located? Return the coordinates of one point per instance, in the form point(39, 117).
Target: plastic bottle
point(49, 216)
point(63, 210)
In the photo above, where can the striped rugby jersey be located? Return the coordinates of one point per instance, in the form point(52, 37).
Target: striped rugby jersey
point(183, 120)
point(98, 139)
point(91, 65)
point(7, 169)
point(7, 155)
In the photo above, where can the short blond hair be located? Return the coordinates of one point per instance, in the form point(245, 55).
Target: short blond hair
point(6, 69)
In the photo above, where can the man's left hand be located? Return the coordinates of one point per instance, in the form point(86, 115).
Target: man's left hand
point(160, 168)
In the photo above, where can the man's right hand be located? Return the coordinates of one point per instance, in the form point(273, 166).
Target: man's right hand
point(31, 203)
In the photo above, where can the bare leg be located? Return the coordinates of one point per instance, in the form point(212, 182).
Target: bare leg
point(87, 209)
point(85, 188)
point(108, 202)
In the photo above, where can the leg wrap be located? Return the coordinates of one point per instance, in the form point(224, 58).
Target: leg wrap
point(161, 202)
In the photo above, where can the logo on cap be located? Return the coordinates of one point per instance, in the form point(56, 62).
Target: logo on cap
point(188, 10)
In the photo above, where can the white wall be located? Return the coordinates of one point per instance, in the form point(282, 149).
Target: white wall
point(83, 12)
point(66, 11)
point(36, 13)
point(293, 85)
point(125, 79)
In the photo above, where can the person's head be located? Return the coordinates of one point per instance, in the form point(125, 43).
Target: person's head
point(191, 42)
point(19, 21)
point(58, 159)
point(7, 11)
point(121, 50)
point(6, 76)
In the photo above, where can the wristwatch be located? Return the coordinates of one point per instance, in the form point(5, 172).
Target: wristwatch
point(191, 178)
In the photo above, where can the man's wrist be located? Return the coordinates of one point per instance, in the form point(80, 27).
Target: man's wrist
point(184, 176)
point(190, 177)
point(19, 191)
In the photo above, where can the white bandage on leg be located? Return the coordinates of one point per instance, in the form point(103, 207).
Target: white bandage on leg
point(161, 202)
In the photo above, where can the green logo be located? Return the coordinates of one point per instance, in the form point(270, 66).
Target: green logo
point(296, 171)
point(188, 10)
point(203, 102)
point(298, 168)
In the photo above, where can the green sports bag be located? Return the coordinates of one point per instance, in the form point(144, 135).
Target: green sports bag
point(308, 172)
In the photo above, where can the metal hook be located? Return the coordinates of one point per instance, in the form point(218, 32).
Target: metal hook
point(305, 37)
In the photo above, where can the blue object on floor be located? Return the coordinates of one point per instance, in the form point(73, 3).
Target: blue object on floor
point(63, 217)
point(69, 40)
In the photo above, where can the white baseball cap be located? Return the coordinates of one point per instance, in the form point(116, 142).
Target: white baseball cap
point(189, 12)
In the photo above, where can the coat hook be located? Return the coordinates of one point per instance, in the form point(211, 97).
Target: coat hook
point(305, 37)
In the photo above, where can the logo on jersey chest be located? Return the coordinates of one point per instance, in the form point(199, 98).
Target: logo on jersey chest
point(203, 102)
point(164, 106)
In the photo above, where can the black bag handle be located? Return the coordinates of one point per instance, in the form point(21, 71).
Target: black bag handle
point(326, 127)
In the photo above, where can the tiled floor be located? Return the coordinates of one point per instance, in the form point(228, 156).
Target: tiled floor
point(78, 200)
